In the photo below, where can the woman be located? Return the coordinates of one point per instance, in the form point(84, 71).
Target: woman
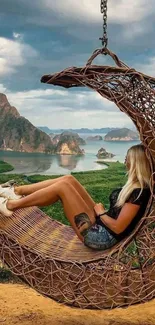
point(95, 227)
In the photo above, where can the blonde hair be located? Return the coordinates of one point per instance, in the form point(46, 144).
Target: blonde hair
point(139, 173)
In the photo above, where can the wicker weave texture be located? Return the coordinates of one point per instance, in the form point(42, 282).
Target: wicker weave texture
point(50, 258)
point(132, 91)
point(48, 255)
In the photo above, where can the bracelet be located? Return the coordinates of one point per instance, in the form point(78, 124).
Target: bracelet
point(99, 215)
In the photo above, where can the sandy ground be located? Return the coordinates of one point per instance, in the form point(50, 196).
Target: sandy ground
point(20, 305)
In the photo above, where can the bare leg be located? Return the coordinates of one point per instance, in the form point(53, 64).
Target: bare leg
point(80, 215)
point(29, 189)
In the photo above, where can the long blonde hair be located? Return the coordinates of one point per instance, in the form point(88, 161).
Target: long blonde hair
point(139, 173)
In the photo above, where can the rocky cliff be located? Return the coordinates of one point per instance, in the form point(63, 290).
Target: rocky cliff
point(103, 154)
point(123, 134)
point(67, 144)
point(68, 135)
point(18, 134)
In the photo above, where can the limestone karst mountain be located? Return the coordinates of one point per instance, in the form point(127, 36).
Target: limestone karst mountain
point(67, 143)
point(18, 134)
point(123, 134)
point(67, 135)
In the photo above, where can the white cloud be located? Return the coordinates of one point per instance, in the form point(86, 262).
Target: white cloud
point(131, 14)
point(13, 53)
point(120, 11)
point(62, 100)
point(135, 30)
point(66, 109)
point(17, 35)
point(2, 88)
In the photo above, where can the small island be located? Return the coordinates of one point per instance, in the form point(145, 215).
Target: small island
point(70, 135)
point(94, 138)
point(123, 134)
point(67, 143)
point(103, 154)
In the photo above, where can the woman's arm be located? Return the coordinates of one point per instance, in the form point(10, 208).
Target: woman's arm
point(127, 214)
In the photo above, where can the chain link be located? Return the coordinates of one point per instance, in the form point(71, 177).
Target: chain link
point(104, 9)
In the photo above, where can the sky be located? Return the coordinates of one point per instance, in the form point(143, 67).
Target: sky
point(45, 36)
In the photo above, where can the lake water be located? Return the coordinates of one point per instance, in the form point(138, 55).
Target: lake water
point(36, 163)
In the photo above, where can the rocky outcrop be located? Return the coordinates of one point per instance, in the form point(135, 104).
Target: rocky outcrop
point(51, 135)
point(66, 144)
point(123, 134)
point(103, 154)
point(94, 138)
point(18, 134)
point(69, 135)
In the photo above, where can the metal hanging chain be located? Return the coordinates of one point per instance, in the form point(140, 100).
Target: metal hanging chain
point(104, 9)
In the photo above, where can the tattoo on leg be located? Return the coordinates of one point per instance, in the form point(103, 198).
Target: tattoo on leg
point(82, 222)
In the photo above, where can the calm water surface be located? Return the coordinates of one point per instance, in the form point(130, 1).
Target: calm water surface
point(58, 164)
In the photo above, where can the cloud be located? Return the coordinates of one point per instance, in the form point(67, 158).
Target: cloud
point(17, 35)
point(135, 30)
point(60, 100)
point(120, 11)
point(2, 88)
point(66, 109)
point(147, 67)
point(46, 36)
point(13, 54)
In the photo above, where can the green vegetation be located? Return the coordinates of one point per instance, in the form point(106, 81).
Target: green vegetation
point(5, 275)
point(37, 138)
point(5, 167)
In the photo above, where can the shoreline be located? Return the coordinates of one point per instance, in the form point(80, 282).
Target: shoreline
point(48, 164)
point(107, 162)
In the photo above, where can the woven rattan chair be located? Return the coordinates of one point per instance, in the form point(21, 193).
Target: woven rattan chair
point(48, 255)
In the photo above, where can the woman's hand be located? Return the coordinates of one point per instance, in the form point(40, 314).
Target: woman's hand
point(99, 208)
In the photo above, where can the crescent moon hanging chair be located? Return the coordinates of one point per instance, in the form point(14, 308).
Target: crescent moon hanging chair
point(49, 256)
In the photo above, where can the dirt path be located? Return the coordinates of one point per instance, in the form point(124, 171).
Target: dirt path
point(20, 305)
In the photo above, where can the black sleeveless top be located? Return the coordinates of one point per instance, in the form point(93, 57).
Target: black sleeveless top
point(114, 211)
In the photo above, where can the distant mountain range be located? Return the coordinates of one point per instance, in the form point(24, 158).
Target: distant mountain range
point(82, 130)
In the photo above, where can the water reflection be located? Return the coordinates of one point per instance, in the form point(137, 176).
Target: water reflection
point(67, 161)
point(36, 163)
point(27, 163)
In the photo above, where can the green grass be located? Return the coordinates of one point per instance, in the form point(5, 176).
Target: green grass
point(5, 167)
